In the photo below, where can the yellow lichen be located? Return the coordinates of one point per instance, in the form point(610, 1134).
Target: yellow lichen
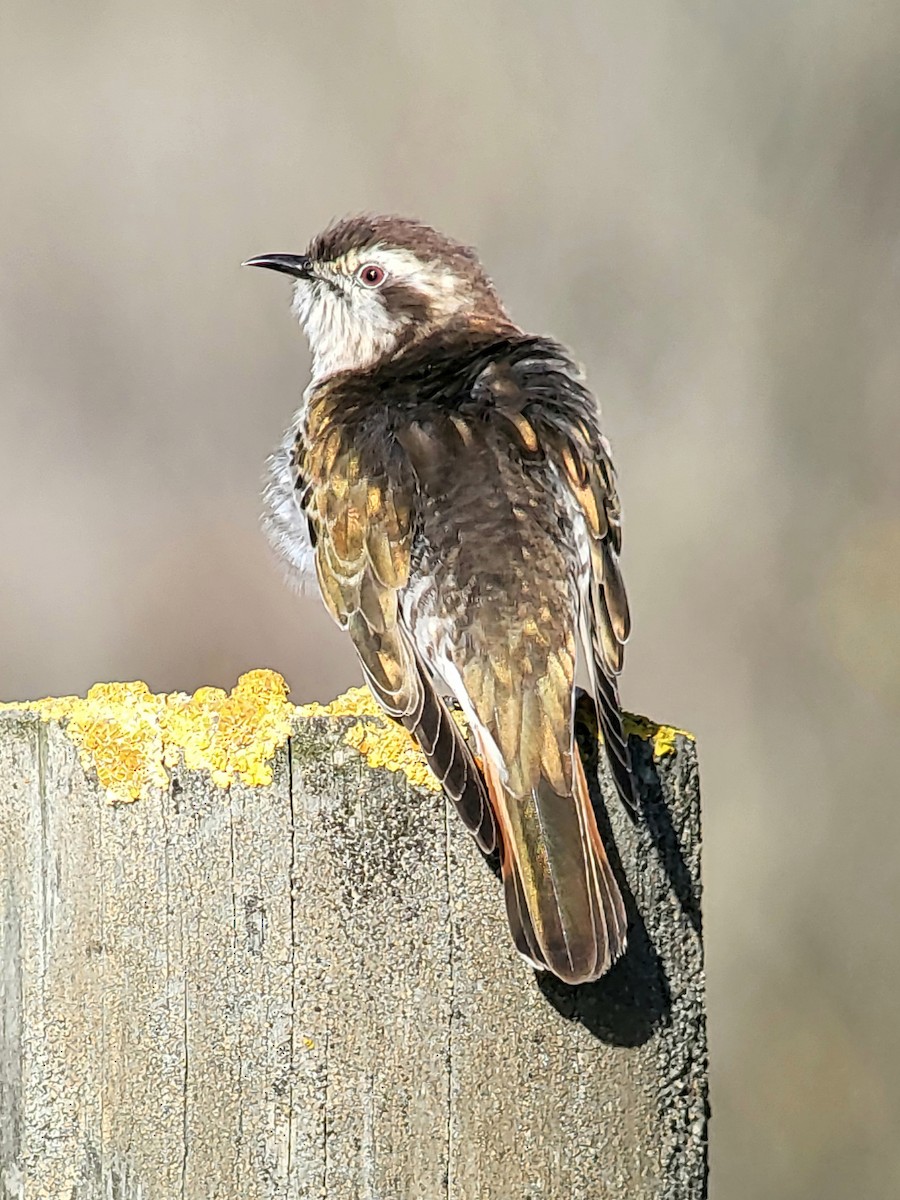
point(129, 736)
point(381, 741)
point(355, 702)
point(664, 737)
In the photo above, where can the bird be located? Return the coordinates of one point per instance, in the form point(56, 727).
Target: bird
point(447, 485)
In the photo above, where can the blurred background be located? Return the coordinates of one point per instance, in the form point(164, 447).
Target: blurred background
point(703, 199)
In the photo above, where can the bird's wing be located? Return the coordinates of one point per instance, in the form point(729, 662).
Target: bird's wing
point(589, 474)
point(552, 415)
point(362, 517)
point(564, 904)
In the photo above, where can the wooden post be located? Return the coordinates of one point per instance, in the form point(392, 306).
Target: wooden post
point(302, 987)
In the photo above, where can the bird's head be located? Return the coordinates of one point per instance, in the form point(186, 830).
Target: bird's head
point(369, 285)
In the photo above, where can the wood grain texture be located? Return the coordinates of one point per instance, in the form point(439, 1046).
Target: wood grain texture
point(307, 991)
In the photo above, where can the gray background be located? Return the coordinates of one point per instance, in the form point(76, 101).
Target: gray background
point(703, 200)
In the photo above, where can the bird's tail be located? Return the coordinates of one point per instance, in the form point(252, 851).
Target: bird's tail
point(565, 909)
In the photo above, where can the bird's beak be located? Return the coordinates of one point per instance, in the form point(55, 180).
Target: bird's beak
point(297, 265)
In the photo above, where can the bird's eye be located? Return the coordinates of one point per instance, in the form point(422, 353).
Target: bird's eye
point(371, 275)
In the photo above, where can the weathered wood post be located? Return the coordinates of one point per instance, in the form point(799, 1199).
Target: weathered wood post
point(283, 972)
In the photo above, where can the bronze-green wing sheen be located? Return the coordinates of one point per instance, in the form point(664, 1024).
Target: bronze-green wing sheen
point(449, 476)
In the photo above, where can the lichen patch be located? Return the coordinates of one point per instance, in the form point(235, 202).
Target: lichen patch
point(663, 737)
point(131, 737)
point(381, 740)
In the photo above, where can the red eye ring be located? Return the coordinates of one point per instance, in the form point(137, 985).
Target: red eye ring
point(370, 275)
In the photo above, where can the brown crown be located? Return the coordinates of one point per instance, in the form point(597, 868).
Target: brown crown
point(365, 231)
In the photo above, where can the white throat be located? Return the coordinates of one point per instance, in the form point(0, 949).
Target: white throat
point(338, 339)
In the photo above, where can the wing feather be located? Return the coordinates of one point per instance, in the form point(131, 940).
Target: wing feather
point(362, 519)
point(608, 619)
point(551, 400)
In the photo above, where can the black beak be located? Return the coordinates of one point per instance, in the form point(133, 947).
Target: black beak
point(290, 264)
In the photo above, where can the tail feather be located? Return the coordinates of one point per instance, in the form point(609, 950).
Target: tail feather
point(564, 906)
point(520, 925)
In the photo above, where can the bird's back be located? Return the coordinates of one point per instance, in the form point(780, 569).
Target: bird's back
point(494, 599)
